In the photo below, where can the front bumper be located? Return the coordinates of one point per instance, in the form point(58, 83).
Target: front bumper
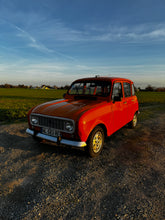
point(56, 140)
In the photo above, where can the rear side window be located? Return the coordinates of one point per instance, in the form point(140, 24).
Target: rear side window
point(127, 89)
point(133, 90)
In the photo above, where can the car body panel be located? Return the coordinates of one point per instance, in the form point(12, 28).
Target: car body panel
point(87, 111)
point(66, 108)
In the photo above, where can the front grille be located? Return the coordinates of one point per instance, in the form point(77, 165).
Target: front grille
point(57, 123)
point(51, 122)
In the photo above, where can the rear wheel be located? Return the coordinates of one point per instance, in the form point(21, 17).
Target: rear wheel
point(133, 123)
point(96, 141)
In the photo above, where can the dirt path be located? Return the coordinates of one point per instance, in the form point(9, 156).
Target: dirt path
point(43, 181)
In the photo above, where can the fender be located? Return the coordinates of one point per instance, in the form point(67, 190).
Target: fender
point(90, 119)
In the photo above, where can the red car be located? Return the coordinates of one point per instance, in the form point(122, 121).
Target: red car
point(92, 109)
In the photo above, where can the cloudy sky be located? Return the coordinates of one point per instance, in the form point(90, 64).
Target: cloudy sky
point(57, 41)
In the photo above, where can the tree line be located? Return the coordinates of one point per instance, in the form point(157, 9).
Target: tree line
point(33, 87)
point(13, 86)
point(149, 88)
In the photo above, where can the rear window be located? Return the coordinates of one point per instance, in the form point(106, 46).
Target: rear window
point(127, 89)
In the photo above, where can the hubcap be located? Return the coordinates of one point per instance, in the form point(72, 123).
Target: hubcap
point(97, 142)
point(134, 120)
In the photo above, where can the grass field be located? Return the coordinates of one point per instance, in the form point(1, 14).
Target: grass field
point(150, 103)
point(151, 97)
point(16, 102)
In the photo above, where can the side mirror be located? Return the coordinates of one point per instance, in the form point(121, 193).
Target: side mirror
point(117, 99)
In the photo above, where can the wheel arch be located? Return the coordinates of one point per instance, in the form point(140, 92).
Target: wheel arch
point(137, 112)
point(102, 126)
point(104, 129)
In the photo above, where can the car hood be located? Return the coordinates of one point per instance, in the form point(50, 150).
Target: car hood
point(66, 108)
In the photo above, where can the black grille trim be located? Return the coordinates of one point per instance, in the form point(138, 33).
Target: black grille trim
point(53, 122)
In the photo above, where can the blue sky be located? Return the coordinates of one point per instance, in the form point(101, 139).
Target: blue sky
point(57, 41)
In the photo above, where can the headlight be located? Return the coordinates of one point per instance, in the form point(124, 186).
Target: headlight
point(34, 120)
point(69, 126)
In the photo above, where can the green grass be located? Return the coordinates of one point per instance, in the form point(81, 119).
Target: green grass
point(148, 98)
point(16, 102)
point(150, 103)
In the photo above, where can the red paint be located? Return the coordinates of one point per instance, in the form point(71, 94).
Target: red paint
point(87, 113)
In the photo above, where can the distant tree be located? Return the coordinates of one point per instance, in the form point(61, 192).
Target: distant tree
point(149, 88)
point(8, 86)
point(55, 87)
point(22, 86)
point(66, 87)
point(162, 89)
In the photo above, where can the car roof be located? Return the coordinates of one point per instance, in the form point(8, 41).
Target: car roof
point(106, 79)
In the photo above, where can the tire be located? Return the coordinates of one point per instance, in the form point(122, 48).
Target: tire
point(133, 123)
point(95, 141)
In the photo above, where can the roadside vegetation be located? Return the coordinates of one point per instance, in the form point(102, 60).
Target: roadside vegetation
point(16, 102)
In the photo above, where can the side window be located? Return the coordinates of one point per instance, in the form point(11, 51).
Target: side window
point(133, 90)
point(117, 91)
point(127, 89)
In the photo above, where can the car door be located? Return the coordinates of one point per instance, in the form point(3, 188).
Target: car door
point(117, 106)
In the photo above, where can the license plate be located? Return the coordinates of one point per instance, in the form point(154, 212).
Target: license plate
point(51, 132)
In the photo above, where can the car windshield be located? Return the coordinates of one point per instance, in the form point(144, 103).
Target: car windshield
point(93, 88)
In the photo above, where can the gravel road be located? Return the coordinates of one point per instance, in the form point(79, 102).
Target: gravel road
point(44, 181)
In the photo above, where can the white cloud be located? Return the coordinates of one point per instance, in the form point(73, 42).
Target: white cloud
point(32, 42)
point(40, 47)
point(24, 34)
point(138, 33)
point(158, 33)
point(44, 33)
point(61, 73)
point(56, 31)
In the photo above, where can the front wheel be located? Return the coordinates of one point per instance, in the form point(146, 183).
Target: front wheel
point(96, 141)
point(133, 123)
